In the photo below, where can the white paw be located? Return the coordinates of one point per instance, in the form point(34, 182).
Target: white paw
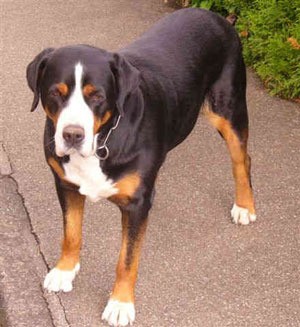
point(60, 280)
point(119, 313)
point(241, 215)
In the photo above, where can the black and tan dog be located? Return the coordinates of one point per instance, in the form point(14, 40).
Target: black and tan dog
point(113, 117)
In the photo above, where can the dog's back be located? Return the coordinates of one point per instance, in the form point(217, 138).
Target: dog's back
point(182, 56)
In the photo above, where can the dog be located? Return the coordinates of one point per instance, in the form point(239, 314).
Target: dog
point(111, 119)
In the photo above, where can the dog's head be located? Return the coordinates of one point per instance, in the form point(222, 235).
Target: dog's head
point(81, 89)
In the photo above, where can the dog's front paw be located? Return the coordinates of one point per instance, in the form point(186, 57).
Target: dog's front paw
point(242, 215)
point(118, 313)
point(60, 280)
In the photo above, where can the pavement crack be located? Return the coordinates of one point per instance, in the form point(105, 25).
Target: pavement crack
point(7, 171)
point(48, 306)
point(48, 302)
point(37, 240)
point(6, 166)
point(64, 310)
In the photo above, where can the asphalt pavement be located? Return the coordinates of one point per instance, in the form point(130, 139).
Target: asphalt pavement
point(197, 268)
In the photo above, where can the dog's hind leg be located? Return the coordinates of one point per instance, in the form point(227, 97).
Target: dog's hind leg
point(227, 112)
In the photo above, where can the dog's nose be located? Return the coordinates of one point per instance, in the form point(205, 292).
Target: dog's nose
point(73, 135)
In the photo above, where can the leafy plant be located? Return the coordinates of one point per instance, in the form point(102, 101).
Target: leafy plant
point(270, 32)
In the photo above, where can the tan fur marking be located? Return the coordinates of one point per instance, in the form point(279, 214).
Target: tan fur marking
point(88, 89)
point(54, 117)
point(60, 173)
point(98, 122)
point(126, 186)
point(63, 89)
point(126, 276)
point(56, 167)
point(239, 157)
point(72, 231)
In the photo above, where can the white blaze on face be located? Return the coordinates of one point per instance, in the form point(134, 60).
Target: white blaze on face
point(76, 112)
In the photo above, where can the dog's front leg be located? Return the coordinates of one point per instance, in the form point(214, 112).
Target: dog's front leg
point(61, 277)
point(120, 309)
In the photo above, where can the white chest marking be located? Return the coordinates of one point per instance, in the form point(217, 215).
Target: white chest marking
point(87, 174)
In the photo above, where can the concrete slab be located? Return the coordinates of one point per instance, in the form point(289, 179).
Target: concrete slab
point(197, 268)
point(20, 284)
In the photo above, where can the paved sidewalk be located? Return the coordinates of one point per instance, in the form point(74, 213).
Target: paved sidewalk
point(197, 268)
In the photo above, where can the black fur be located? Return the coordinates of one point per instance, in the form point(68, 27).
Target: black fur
point(158, 85)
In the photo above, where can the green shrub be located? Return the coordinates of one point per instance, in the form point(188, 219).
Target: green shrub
point(270, 32)
point(223, 7)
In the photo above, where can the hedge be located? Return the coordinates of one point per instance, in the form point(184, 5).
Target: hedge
point(270, 33)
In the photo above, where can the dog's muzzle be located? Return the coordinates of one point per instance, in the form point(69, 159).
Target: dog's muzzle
point(73, 136)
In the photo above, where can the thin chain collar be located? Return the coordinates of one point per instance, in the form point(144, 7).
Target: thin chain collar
point(104, 147)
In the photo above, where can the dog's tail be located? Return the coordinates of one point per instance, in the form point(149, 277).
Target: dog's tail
point(232, 18)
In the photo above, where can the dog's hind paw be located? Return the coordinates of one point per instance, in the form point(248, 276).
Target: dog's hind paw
point(242, 215)
point(118, 313)
point(60, 280)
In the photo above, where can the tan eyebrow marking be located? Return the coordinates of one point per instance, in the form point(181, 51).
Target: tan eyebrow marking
point(63, 88)
point(88, 89)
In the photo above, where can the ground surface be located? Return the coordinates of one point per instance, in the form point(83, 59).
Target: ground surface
point(197, 268)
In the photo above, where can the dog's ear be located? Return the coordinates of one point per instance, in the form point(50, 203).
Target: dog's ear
point(127, 80)
point(34, 72)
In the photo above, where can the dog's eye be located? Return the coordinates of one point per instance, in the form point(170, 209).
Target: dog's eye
point(54, 93)
point(97, 97)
